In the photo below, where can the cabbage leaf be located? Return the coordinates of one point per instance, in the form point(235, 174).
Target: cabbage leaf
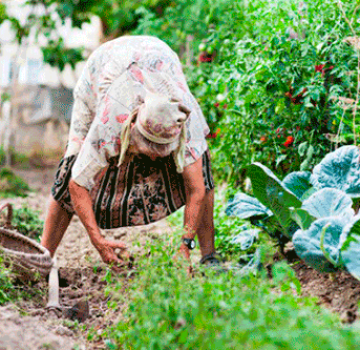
point(339, 169)
point(269, 190)
point(244, 206)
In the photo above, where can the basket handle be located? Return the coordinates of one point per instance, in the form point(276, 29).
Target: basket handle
point(10, 212)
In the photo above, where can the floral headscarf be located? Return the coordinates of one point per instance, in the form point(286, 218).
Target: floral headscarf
point(160, 121)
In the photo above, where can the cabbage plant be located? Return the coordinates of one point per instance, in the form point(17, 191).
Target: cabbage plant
point(315, 209)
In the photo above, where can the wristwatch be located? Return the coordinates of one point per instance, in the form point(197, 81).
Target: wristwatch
point(189, 242)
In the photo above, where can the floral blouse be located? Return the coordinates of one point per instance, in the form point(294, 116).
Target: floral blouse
point(113, 83)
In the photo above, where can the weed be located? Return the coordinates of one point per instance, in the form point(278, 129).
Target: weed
point(12, 185)
point(27, 222)
point(169, 310)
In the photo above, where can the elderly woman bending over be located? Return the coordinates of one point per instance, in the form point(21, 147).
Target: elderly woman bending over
point(136, 151)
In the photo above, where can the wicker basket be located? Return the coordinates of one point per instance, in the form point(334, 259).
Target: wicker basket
point(24, 255)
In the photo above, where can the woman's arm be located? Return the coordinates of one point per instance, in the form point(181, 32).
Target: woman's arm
point(83, 207)
point(195, 196)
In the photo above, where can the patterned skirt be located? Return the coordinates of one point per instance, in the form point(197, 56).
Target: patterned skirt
point(139, 192)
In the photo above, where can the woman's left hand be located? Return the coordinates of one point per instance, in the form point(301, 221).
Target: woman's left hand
point(185, 253)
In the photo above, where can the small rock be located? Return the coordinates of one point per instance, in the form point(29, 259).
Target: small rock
point(119, 233)
point(64, 331)
point(345, 316)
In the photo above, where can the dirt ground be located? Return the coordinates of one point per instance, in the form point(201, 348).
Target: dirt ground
point(29, 326)
point(339, 292)
point(82, 278)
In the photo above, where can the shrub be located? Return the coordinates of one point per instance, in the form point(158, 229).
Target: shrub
point(27, 222)
point(281, 85)
point(12, 185)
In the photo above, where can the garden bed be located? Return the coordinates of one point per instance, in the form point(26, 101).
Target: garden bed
point(339, 292)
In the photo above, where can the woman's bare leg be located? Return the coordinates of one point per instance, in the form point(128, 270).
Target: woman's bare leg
point(56, 222)
point(206, 230)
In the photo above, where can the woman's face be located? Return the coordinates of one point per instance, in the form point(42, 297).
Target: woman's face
point(135, 148)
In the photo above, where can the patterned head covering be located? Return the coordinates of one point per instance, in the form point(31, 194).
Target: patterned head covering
point(160, 121)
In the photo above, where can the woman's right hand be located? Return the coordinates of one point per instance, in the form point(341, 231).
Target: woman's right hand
point(83, 207)
point(107, 251)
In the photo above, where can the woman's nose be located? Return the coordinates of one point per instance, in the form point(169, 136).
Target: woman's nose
point(153, 157)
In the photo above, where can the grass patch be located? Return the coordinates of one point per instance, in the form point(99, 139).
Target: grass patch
point(27, 222)
point(6, 283)
point(12, 185)
point(169, 310)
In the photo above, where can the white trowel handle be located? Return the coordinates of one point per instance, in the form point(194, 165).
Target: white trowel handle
point(53, 301)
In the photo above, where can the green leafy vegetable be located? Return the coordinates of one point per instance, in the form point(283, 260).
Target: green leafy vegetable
point(244, 206)
point(350, 251)
point(270, 192)
point(307, 243)
point(329, 202)
point(339, 169)
point(302, 218)
point(298, 182)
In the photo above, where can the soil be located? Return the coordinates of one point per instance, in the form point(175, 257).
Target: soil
point(28, 325)
point(339, 292)
point(82, 283)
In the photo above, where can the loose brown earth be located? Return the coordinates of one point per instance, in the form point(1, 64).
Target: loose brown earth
point(29, 326)
point(340, 292)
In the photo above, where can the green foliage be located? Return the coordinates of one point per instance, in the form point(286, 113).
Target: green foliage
point(319, 246)
point(272, 193)
point(325, 217)
point(329, 202)
point(249, 207)
point(57, 55)
point(168, 310)
point(298, 183)
point(12, 185)
point(273, 82)
point(341, 170)
point(350, 250)
point(6, 285)
point(27, 222)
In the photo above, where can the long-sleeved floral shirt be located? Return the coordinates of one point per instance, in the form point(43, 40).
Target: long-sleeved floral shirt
point(113, 83)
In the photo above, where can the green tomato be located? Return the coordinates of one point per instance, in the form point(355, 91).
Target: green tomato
point(178, 32)
point(202, 47)
point(210, 50)
point(220, 97)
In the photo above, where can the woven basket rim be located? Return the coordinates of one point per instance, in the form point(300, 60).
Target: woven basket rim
point(17, 235)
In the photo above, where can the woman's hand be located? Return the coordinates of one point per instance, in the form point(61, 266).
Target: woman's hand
point(184, 252)
point(111, 252)
point(83, 207)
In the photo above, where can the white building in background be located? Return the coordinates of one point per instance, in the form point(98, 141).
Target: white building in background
point(44, 94)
